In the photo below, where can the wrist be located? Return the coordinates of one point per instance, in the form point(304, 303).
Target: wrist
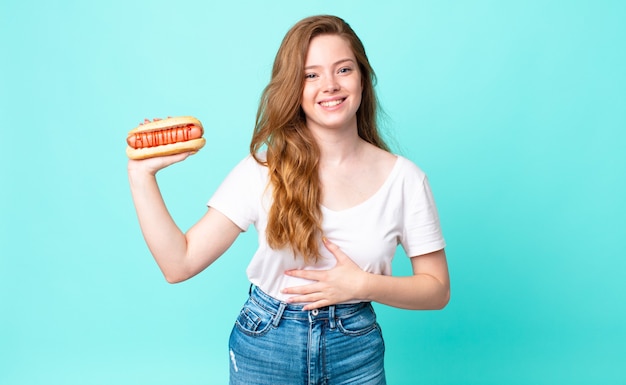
point(138, 176)
point(364, 291)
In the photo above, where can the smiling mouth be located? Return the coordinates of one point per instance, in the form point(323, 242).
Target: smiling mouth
point(332, 103)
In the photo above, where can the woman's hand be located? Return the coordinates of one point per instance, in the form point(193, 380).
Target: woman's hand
point(344, 282)
point(427, 289)
point(152, 165)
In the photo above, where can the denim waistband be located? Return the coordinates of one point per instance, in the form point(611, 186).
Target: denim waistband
point(283, 310)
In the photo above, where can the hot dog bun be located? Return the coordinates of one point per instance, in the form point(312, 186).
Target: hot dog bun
point(165, 137)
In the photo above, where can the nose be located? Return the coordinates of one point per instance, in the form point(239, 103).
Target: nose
point(331, 84)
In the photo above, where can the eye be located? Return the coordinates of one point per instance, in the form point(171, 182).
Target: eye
point(310, 76)
point(344, 70)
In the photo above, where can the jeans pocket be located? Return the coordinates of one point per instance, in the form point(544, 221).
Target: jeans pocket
point(358, 323)
point(253, 320)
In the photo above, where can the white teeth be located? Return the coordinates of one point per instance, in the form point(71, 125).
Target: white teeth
point(331, 103)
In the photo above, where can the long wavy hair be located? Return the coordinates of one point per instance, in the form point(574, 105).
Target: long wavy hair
point(292, 154)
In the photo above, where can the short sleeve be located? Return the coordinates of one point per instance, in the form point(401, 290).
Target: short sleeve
point(422, 231)
point(239, 196)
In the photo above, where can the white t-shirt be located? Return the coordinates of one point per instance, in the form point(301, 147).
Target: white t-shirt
point(401, 212)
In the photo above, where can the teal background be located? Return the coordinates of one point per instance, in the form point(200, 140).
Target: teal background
point(515, 109)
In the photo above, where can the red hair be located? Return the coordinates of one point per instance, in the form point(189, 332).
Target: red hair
point(295, 216)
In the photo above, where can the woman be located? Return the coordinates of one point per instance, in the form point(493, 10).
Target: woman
point(330, 204)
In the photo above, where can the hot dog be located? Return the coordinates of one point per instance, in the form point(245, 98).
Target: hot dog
point(165, 137)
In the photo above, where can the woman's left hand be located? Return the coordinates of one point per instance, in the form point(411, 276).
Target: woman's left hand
point(344, 282)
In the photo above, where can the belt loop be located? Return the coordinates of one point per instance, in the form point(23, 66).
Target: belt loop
point(250, 290)
point(279, 314)
point(331, 316)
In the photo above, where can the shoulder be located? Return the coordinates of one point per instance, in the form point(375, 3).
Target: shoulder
point(385, 160)
point(409, 169)
point(252, 163)
point(380, 161)
point(408, 179)
point(395, 167)
point(248, 171)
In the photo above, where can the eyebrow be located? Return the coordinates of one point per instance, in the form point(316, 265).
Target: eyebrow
point(334, 64)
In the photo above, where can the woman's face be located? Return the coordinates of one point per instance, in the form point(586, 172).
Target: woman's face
point(332, 86)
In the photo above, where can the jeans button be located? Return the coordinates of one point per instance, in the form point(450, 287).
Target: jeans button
point(315, 312)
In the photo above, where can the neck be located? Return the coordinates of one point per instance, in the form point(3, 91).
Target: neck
point(337, 143)
point(338, 147)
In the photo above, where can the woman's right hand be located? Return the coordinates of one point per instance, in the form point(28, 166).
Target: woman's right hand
point(152, 165)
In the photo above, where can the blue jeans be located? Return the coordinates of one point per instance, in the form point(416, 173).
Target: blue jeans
point(274, 343)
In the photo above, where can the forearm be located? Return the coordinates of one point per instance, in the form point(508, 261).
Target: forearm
point(166, 241)
point(416, 292)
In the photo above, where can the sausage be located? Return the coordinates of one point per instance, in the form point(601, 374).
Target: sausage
point(162, 137)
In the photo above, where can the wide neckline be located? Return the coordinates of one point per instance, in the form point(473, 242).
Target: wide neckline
point(383, 187)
